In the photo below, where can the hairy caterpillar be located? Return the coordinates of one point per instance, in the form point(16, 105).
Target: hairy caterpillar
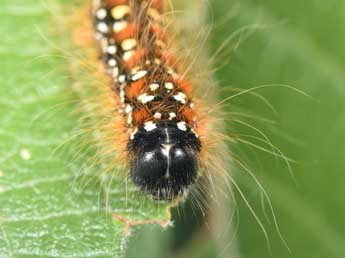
point(162, 132)
point(169, 126)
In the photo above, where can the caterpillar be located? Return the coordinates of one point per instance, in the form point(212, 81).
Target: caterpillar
point(161, 129)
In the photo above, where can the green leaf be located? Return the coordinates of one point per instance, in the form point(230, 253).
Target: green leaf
point(43, 212)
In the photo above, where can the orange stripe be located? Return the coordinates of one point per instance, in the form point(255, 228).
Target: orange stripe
point(185, 86)
point(188, 114)
point(141, 115)
point(129, 32)
point(136, 58)
point(112, 3)
point(135, 88)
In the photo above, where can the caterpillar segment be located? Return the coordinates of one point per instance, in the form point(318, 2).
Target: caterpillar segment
point(155, 100)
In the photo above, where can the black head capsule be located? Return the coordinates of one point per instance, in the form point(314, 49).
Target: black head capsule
point(164, 162)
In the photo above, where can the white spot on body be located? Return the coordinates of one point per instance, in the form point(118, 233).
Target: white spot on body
point(150, 126)
point(122, 78)
point(148, 156)
point(128, 44)
point(128, 54)
point(154, 86)
point(25, 154)
point(144, 98)
point(180, 97)
point(120, 11)
point(112, 62)
point(178, 153)
point(169, 85)
point(102, 27)
point(120, 25)
point(101, 14)
point(139, 75)
point(182, 126)
point(172, 115)
point(128, 109)
point(111, 50)
point(157, 115)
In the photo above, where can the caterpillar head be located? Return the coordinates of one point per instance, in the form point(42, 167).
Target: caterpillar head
point(164, 159)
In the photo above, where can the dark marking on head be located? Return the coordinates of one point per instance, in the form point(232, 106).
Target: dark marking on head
point(164, 160)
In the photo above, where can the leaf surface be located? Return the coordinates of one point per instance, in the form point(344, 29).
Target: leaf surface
point(42, 212)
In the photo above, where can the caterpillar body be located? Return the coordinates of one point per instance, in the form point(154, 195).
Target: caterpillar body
point(153, 98)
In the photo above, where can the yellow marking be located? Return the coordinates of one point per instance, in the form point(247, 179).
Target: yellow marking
point(154, 86)
point(157, 115)
point(127, 55)
point(120, 25)
point(128, 44)
point(169, 85)
point(120, 11)
point(144, 98)
point(172, 115)
point(139, 75)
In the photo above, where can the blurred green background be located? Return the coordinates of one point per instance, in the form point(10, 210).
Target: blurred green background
point(297, 43)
